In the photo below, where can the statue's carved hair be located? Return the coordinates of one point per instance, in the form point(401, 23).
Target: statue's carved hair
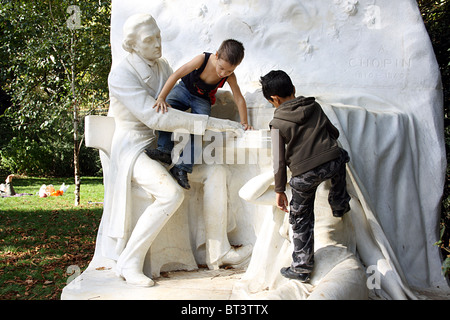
point(131, 29)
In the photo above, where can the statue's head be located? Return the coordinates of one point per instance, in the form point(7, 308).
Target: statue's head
point(142, 35)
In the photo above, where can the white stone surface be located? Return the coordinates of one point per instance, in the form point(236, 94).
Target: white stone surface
point(139, 228)
point(99, 282)
point(372, 68)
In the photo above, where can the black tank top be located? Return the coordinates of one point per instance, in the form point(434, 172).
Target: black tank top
point(198, 87)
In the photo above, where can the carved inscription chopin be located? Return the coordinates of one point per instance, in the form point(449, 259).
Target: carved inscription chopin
point(381, 70)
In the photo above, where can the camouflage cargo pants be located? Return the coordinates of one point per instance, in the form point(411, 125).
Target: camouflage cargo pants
point(301, 215)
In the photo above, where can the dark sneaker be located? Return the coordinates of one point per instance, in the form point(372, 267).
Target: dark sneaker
point(181, 177)
point(290, 274)
point(157, 155)
point(340, 213)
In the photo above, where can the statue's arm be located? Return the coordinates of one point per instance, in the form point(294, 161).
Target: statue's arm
point(129, 91)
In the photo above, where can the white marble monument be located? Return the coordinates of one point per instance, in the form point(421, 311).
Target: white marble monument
point(371, 66)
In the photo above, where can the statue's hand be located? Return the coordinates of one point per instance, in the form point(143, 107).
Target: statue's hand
point(222, 125)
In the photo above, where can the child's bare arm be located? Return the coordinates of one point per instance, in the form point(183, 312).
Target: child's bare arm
point(190, 66)
point(240, 101)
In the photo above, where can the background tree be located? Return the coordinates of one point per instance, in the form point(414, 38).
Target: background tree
point(37, 55)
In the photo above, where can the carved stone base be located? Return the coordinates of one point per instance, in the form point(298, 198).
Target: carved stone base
point(101, 283)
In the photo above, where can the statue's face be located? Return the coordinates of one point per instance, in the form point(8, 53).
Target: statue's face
point(148, 42)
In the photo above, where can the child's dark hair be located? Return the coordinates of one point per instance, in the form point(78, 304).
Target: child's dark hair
point(276, 83)
point(232, 51)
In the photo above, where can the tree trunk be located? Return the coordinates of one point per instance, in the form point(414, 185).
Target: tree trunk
point(76, 163)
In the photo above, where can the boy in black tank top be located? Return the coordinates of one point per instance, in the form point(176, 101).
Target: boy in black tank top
point(200, 79)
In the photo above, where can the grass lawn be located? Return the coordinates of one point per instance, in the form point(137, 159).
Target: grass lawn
point(40, 238)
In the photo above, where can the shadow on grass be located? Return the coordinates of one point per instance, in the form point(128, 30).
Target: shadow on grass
point(31, 181)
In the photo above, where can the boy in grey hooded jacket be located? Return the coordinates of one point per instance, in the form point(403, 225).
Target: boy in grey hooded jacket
point(304, 139)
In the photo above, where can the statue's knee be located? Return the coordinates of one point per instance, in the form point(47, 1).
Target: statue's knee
point(174, 196)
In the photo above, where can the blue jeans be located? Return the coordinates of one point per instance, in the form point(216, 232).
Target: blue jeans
point(181, 99)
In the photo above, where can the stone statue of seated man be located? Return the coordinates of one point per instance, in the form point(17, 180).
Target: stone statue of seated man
point(134, 84)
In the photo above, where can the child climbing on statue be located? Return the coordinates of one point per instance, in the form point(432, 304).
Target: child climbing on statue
point(303, 139)
point(200, 79)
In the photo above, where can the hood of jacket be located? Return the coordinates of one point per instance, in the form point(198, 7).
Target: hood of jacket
point(297, 110)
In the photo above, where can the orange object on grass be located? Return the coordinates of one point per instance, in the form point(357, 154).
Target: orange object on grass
point(57, 193)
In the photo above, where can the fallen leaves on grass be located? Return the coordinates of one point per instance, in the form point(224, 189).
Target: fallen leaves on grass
point(35, 253)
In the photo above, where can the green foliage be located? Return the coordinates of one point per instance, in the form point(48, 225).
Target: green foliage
point(37, 54)
point(436, 16)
